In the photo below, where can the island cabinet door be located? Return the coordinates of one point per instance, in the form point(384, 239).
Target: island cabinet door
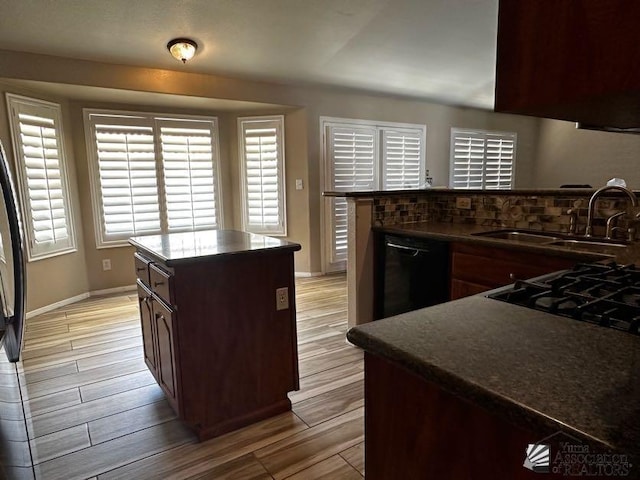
point(164, 323)
point(148, 330)
point(416, 430)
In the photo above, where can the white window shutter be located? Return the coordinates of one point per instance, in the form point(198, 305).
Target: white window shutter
point(499, 161)
point(481, 159)
point(403, 159)
point(41, 168)
point(190, 177)
point(151, 174)
point(262, 151)
point(467, 163)
point(353, 158)
point(127, 178)
point(361, 155)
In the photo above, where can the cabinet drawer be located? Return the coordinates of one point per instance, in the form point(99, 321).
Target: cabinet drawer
point(460, 288)
point(495, 267)
point(161, 283)
point(493, 272)
point(142, 268)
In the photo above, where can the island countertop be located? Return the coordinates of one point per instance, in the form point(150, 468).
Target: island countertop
point(186, 247)
point(537, 370)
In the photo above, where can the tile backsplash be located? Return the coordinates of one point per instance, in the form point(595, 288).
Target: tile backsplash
point(537, 212)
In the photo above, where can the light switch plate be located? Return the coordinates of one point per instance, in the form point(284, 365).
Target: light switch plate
point(299, 184)
point(282, 298)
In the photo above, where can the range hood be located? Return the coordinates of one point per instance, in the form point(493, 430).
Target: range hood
point(600, 128)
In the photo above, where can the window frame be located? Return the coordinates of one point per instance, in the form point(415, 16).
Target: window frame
point(281, 229)
point(34, 253)
point(154, 120)
point(483, 134)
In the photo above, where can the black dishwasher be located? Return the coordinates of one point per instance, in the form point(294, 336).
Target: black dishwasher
point(412, 273)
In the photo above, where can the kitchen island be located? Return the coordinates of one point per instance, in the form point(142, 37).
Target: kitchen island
point(460, 390)
point(217, 311)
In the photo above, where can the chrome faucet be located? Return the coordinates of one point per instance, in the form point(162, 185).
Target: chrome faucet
point(594, 197)
point(611, 221)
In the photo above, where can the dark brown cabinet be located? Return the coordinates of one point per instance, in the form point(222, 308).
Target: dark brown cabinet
point(145, 306)
point(223, 351)
point(415, 429)
point(163, 320)
point(570, 60)
point(157, 324)
point(478, 268)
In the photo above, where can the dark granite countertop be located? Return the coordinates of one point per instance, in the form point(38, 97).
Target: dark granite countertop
point(187, 247)
point(440, 190)
point(464, 232)
point(540, 371)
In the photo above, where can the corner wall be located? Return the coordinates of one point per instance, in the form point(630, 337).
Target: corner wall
point(51, 280)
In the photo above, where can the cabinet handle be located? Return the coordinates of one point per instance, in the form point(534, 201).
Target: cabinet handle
point(157, 284)
point(415, 251)
point(140, 269)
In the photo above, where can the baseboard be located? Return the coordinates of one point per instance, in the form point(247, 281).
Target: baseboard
point(61, 303)
point(308, 274)
point(107, 291)
point(77, 298)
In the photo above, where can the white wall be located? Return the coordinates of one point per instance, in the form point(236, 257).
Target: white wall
point(304, 106)
point(50, 280)
point(568, 155)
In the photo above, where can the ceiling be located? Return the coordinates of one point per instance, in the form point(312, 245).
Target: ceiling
point(438, 50)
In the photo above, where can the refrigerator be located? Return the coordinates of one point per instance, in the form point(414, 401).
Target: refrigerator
point(16, 461)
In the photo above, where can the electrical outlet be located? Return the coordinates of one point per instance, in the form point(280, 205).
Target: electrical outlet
point(106, 264)
point(282, 298)
point(463, 202)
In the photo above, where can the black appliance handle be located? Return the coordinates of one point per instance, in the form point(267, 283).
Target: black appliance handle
point(15, 323)
point(416, 251)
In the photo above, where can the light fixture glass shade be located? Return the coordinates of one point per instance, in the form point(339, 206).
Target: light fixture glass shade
point(182, 49)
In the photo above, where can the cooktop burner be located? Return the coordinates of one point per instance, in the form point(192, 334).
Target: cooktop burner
point(605, 294)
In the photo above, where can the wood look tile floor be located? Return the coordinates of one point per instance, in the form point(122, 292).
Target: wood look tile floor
point(96, 412)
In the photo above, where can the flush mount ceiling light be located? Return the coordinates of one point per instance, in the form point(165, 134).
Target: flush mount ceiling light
point(182, 49)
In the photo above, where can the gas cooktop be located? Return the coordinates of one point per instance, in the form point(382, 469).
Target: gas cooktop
point(605, 294)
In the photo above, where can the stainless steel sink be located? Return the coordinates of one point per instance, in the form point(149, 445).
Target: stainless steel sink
point(543, 238)
point(587, 245)
point(519, 236)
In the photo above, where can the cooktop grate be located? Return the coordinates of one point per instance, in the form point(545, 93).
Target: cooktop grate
point(604, 294)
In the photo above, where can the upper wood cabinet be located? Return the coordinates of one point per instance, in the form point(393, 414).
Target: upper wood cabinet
point(576, 60)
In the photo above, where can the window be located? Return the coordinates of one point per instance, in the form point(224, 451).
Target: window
point(36, 129)
point(360, 155)
point(262, 158)
point(151, 174)
point(403, 159)
point(482, 159)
